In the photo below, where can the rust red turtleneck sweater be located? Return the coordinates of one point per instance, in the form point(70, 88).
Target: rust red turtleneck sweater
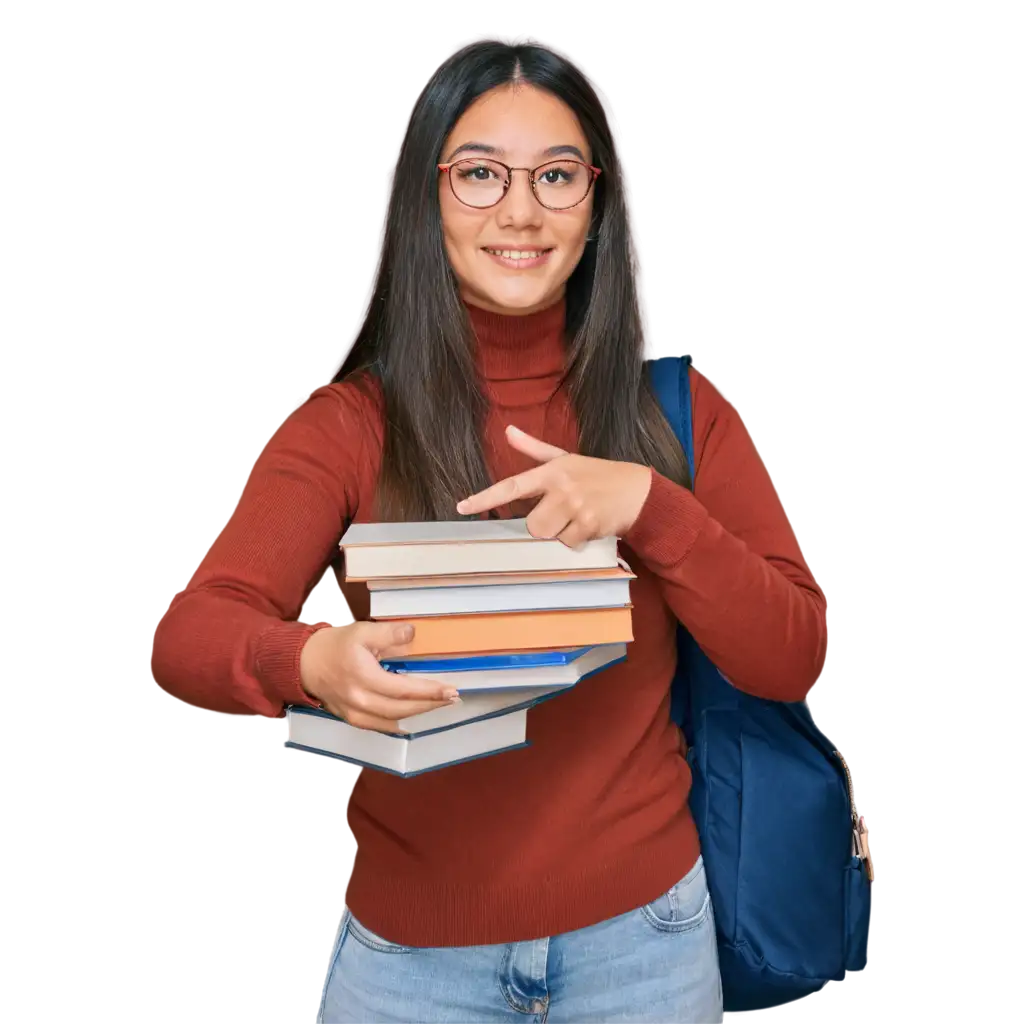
point(591, 820)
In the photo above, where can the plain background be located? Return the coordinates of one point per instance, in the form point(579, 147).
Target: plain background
point(185, 200)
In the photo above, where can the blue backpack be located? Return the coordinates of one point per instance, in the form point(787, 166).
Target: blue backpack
point(784, 851)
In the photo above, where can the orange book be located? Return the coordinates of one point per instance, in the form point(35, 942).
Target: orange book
point(518, 631)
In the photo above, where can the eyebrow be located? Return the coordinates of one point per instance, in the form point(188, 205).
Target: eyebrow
point(483, 147)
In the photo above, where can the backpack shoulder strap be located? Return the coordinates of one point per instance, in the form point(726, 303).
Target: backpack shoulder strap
point(670, 378)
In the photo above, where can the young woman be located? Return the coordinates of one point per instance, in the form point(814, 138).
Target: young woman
point(499, 370)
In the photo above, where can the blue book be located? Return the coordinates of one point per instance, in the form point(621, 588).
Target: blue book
point(475, 662)
point(525, 670)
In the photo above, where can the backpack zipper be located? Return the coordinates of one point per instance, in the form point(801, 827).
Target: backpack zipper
point(860, 830)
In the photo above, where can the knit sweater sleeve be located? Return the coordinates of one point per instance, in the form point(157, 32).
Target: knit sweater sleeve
point(231, 640)
point(728, 562)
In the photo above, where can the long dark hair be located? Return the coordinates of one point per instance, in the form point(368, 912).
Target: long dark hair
point(416, 341)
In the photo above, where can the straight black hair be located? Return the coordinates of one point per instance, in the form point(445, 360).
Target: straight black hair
point(417, 343)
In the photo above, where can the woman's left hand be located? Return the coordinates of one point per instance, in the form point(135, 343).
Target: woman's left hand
point(581, 498)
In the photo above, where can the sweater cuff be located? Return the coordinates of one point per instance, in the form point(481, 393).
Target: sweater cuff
point(278, 650)
point(669, 523)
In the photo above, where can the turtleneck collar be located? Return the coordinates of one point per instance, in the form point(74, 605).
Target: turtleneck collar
point(520, 348)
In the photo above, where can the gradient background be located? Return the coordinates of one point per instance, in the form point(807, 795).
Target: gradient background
point(827, 203)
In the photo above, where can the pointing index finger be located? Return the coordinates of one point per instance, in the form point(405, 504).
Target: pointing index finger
point(523, 485)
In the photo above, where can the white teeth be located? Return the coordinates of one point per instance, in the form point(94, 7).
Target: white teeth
point(515, 254)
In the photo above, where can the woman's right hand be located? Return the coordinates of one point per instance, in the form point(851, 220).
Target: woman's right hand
point(339, 666)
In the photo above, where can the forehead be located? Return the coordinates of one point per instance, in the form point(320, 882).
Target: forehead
point(521, 121)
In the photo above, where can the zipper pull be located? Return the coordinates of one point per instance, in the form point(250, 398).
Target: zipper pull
point(862, 846)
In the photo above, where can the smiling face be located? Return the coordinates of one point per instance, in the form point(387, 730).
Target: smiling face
point(523, 127)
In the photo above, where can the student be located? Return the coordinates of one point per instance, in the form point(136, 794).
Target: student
point(499, 370)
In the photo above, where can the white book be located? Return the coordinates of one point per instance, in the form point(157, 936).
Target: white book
point(405, 755)
point(374, 550)
point(514, 678)
point(424, 601)
point(476, 704)
point(490, 579)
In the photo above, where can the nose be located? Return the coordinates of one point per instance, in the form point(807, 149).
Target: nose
point(520, 208)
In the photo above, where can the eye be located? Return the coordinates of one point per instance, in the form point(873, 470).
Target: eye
point(552, 177)
point(558, 174)
point(476, 173)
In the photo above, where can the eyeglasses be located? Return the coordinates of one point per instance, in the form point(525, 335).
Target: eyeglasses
point(558, 185)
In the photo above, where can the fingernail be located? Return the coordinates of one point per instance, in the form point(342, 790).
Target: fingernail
point(460, 506)
point(404, 633)
point(452, 696)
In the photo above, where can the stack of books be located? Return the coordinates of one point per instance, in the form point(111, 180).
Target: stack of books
point(505, 618)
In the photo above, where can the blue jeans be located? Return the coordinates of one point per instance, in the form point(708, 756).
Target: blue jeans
point(657, 963)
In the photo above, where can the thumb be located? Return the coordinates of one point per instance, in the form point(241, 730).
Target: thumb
point(382, 637)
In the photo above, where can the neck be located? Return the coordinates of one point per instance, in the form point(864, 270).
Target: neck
point(512, 347)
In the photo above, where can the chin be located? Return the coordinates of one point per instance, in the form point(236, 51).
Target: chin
point(522, 296)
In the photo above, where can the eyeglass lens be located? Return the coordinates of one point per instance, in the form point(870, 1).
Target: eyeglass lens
point(559, 184)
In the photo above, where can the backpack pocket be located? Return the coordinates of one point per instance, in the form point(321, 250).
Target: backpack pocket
point(858, 913)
